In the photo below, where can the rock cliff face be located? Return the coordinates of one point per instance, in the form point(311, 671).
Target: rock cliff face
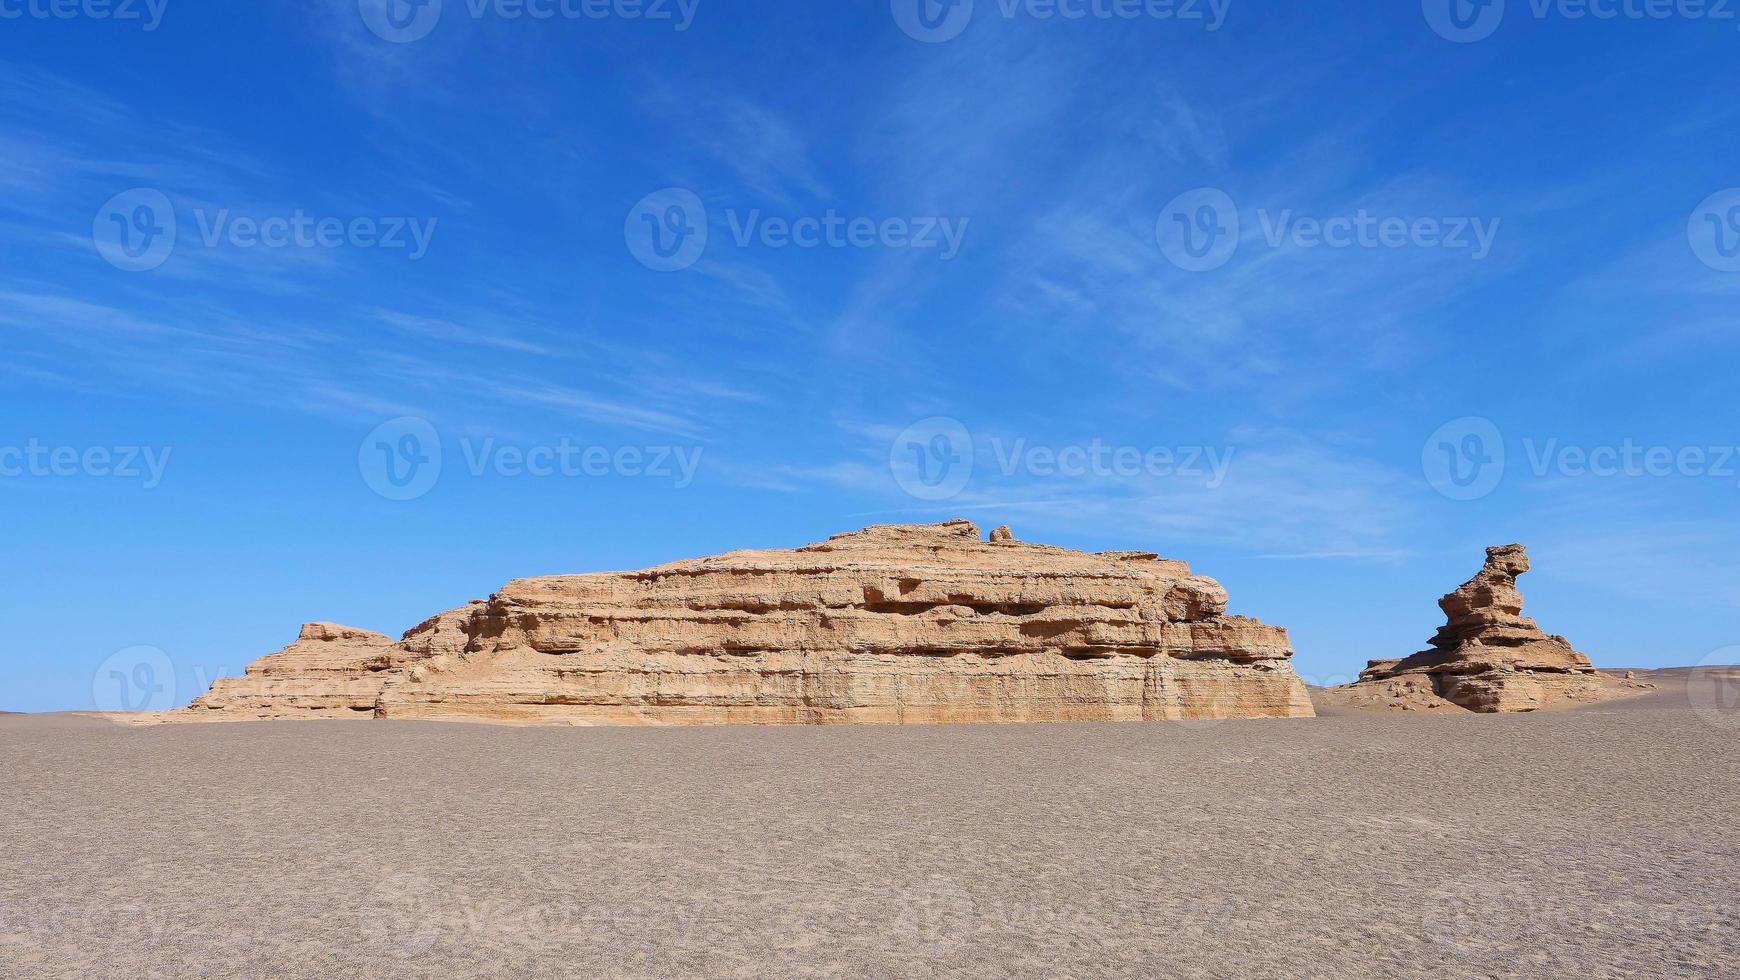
point(923, 624)
point(1488, 656)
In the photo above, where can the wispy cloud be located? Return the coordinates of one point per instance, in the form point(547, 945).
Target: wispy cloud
point(1277, 492)
point(460, 333)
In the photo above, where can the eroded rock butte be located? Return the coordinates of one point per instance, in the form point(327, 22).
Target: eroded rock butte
point(1488, 656)
point(898, 624)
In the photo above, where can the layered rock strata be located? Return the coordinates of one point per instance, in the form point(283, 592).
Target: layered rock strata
point(919, 624)
point(1488, 656)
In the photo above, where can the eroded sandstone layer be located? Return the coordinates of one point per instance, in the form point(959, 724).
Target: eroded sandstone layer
point(908, 624)
point(1488, 656)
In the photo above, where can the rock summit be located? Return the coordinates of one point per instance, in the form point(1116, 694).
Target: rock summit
point(897, 624)
point(1488, 656)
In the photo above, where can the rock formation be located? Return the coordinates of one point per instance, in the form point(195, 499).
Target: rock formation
point(1488, 656)
point(919, 624)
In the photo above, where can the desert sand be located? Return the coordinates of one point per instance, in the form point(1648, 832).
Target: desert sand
point(1595, 842)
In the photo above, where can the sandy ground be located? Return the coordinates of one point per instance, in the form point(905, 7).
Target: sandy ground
point(1592, 843)
point(1415, 694)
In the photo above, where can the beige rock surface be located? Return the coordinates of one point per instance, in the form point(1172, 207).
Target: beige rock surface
point(899, 624)
point(1487, 657)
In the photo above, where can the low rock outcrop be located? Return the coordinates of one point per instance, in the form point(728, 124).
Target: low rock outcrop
point(1488, 656)
point(913, 624)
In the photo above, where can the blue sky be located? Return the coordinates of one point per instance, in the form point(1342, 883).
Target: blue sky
point(1414, 248)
